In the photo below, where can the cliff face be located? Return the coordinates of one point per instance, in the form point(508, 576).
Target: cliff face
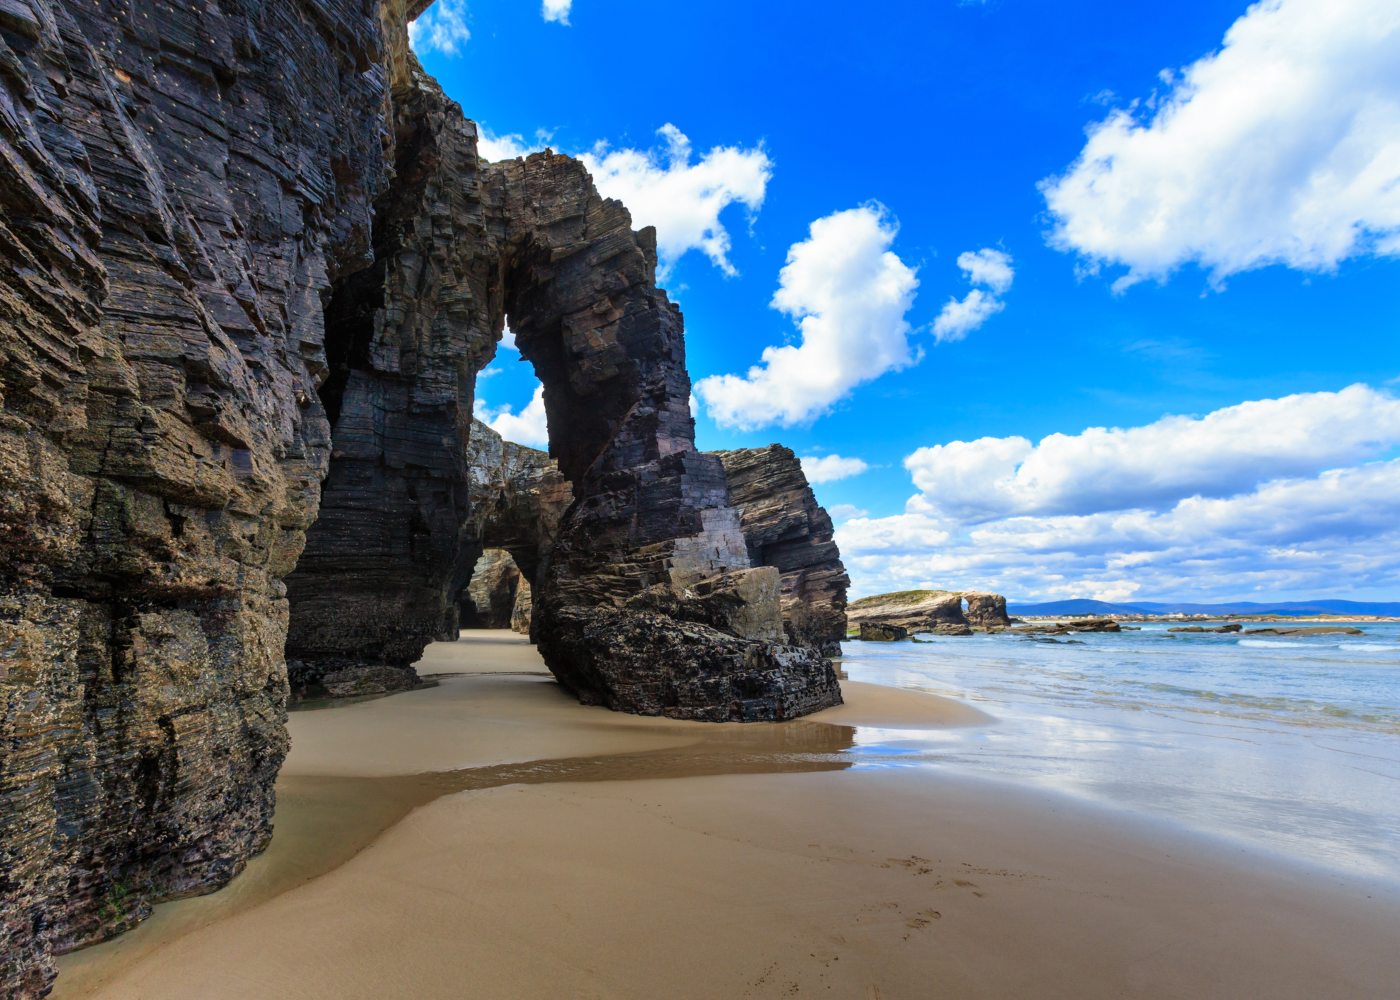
point(786, 528)
point(518, 497)
point(234, 233)
point(183, 184)
point(405, 339)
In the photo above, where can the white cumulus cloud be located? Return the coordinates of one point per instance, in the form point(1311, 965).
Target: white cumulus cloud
point(557, 10)
point(440, 28)
point(829, 468)
point(528, 427)
point(849, 294)
point(1293, 496)
point(988, 267)
point(846, 511)
point(494, 148)
point(959, 317)
point(1224, 452)
point(682, 197)
point(1281, 148)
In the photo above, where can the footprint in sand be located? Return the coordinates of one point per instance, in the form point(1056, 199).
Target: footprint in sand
point(922, 919)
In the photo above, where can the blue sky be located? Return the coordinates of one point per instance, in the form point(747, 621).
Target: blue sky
point(967, 233)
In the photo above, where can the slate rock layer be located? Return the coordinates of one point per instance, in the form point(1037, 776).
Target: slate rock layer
point(405, 338)
point(786, 528)
point(181, 186)
point(616, 612)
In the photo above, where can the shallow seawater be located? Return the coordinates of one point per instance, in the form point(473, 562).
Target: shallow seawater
point(1287, 743)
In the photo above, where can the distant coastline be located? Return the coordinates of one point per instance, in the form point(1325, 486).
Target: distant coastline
point(1321, 609)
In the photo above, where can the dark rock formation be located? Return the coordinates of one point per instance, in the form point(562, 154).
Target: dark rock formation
point(953, 630)
point(405, 339)
point(784, 527)
point(882, 632)
point(227, 228)
point(1232, 627)
point(986, 611)
point(522, 616)
point(183, 184)
point(1074, 625)
point(1313, 630)
point(648, 601)
point(491, 595)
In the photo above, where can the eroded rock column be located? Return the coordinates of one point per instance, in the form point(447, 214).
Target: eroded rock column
point(648, 601)
point(405, 339)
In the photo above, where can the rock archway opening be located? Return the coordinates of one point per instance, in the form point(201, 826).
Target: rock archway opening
point(653, 590)
point(498, 595)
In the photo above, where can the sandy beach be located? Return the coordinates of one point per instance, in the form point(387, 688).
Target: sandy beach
point(489, 837)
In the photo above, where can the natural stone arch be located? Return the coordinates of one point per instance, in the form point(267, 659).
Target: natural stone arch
point(648, 600)
point(210, 218)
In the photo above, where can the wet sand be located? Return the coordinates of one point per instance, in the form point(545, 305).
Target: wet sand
point(491, 838)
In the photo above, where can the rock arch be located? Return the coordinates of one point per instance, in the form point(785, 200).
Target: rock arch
point(253, 264)
point(648, 601)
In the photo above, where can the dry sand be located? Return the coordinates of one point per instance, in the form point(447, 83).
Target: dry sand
point(491, 838)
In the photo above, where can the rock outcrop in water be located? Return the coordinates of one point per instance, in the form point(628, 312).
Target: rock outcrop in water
point(784, 527)
point(986, 611)
point(249, 248)
point(947, 612)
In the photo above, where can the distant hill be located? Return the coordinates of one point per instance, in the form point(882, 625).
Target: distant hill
point(1087, 607)
point(1080, 606)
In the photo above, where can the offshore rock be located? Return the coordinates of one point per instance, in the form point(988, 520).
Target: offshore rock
point(954, 630)
point(1312, 630)
point(1074, 625)
point(987, 611)
point(882, 632)
point(183, 185)
point(784, 527)
point(915, 610)
point(946, 612)
point(651, 518)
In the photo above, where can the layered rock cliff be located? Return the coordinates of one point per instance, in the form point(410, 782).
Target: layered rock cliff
point(489, 600)
point(181, 186)
point(249, 247)
point(518, 497)
point(405, 338)
point(784, 527)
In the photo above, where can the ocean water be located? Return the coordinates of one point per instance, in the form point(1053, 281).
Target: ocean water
point(1290, 745)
